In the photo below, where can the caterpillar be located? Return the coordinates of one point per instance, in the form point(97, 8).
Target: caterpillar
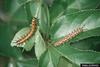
point(69, 36)
point(29, 34)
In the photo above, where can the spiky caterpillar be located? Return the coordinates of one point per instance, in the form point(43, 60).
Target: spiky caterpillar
point(29, 34)
point(69, 36)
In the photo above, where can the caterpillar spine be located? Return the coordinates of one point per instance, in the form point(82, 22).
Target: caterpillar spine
point(69, 36)
point(29, 34)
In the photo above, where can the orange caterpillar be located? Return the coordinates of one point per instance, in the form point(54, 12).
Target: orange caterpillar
point(69, 36)
point(29, 34)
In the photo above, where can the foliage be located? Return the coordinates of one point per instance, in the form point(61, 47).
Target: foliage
point(56, 19)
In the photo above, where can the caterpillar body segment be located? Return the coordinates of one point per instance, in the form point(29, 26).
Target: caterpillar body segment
point(69, 36)
point(24, 38)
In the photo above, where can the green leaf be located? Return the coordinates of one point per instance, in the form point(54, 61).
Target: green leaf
point(40, 46)
point(20, 10)
point(73, 55)
point(63, 62)
point(87, 34)
point(17, 12)
point(16, 5)
point(28, 12)
point(57, 8)
point(23, 62)
point(49, 59)
point(44, 59)
point(28, 44)
point(93, 43)
point(84, 4)
point(44, 22)
point(34, 8)
point(89, 19)
point(28, 63)
point(78, 56)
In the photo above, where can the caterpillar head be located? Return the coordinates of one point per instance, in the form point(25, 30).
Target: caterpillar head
point(34, 21)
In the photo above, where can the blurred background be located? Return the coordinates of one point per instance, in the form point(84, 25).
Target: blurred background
point(8, 27)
